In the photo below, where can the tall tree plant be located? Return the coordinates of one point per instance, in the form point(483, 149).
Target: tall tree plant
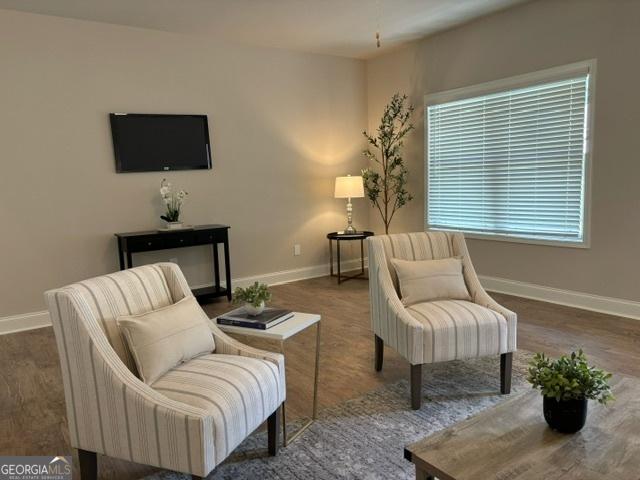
point(385, 184)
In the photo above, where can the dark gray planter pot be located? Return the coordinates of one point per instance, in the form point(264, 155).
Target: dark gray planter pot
point(567, 416)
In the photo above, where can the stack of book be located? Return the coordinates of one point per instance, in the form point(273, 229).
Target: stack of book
point(270, 317)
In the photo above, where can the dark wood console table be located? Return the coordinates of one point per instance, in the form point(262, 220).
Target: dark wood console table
point(135, 242)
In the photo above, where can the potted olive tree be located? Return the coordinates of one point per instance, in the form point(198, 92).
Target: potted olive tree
point(567, 384)
point(385, 182)
point(253, 297)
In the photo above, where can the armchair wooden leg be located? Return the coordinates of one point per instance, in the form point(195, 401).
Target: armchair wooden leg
point(88, 465)
point(506, 360)
point(416, 386)
point(273, 431)
point(379, 352)
point(196, 477)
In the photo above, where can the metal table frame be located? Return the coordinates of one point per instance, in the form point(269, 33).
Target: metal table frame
point(341, 237)
point(280, 333)
point(314, 412)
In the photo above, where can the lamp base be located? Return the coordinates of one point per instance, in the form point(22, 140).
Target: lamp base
point(350, 228)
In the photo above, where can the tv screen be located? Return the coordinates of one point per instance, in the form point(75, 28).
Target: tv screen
point(152, 142)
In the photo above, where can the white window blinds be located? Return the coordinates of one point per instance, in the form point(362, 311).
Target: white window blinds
point(510, 163)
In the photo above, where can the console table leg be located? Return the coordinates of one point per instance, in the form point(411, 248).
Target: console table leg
point(129, 260)
point(227, 268)
point(120, 254)
point(216, 266)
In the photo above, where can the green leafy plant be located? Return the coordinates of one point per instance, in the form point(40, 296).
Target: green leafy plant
point(254, 294)
point(385, 185)
point(569, 378)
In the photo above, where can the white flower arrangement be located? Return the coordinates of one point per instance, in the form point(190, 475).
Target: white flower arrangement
point(172, 200)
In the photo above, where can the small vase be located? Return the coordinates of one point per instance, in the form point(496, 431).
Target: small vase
point(253, 310)
point(174, 225)
point(565, 416)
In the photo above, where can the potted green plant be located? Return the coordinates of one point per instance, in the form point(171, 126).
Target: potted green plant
point(567, 384)
point(254, 297)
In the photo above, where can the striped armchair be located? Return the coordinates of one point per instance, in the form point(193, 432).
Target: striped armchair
point(190, 419)
point(435, 331)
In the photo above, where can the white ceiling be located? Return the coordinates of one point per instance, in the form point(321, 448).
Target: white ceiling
point(336, 27)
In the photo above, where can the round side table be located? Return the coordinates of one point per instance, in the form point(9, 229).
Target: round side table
point(347, 237)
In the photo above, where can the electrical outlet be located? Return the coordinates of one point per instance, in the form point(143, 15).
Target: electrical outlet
point(174, 260)
point(297, 250)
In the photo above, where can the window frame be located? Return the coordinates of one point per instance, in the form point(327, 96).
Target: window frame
point(522, 81)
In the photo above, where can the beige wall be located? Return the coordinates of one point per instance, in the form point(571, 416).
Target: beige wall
point(282, 124)
point(535, 36)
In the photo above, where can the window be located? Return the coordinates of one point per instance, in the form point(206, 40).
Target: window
point(508, 159)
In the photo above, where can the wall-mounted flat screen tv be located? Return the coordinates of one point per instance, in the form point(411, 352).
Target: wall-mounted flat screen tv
point(155, 143)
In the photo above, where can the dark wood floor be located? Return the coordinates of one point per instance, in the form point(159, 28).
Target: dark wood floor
point(31, 397)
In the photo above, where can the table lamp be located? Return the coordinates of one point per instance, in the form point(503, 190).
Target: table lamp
point(349, 187)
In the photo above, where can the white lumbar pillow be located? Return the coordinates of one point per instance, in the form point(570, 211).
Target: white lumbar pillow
point(163, 339)
point(428, 280)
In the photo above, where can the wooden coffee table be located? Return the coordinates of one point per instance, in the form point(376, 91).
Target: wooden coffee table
point(512, 441)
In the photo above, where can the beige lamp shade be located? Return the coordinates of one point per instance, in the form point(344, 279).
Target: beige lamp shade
point(349, 187)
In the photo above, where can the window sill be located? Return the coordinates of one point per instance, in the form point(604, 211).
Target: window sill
point(513, 239)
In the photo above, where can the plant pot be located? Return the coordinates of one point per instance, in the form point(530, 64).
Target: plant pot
point(566, 416)
point(252, 310)
point(175, 225)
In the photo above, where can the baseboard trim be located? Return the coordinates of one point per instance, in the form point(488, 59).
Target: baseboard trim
point(294, 275)
point(569, 298)
point(33, 320)
point(25, 321)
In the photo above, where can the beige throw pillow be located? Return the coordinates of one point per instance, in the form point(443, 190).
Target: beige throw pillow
point(427, 280)
point(162, 339)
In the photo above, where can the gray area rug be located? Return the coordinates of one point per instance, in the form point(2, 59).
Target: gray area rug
point(365, 438)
